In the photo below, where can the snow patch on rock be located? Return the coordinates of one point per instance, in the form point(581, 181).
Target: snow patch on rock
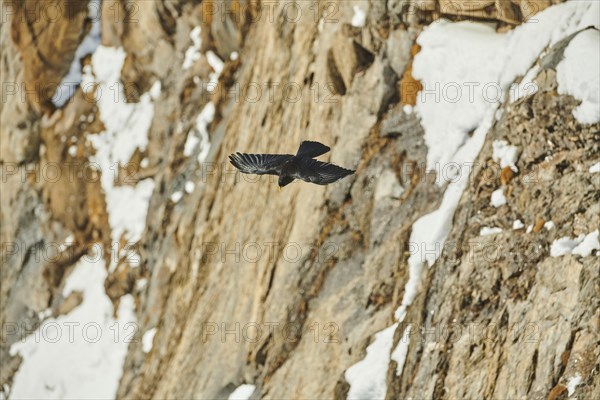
point(572, 384)
point(242, 392)
point(192, 54)
point(473, 55)
point(189, 187)
point(127, 126)
point(589, 244)
point(359, 18)
point(176, 196)
point(73, 78)
point(498, 199)
point(578, 75)
point(486, 231)
point(368, 377)
point(505, 154)
point(79, 355)
point(583, 245)
point(84, 359)
point(399, 353)
point(148, 340)
point(517, 224)
point(388, 186)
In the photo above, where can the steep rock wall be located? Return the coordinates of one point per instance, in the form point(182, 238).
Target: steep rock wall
point(328, 264)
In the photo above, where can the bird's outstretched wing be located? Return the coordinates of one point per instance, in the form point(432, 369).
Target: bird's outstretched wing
point(259, 164)
point(319, 172)
point(311, 149)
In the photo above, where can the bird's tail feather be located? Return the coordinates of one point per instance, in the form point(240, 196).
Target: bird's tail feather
point(311, 149)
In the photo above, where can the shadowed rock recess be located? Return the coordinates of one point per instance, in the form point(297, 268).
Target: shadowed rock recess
point(285, 291)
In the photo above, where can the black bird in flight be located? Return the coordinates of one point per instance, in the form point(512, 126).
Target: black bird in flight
point(289, 167)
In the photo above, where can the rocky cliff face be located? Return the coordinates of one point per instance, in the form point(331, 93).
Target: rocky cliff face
point(314, 292)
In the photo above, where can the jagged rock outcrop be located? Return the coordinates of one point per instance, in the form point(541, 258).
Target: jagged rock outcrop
point(286, 290)
point(43, 199)
point(509, 11)
point(513, 313)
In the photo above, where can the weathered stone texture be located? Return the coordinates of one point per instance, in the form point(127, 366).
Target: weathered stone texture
point(338, 84)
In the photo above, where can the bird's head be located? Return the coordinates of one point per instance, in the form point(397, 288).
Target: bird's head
point(284, 180)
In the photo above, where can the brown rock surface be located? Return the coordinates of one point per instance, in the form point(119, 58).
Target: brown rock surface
point(285, 290)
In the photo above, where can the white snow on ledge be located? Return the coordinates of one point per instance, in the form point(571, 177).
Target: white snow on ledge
point(192, 54)
point(368, 377)
point(148, 340)
point(572, 384)
point(198, 137)
point(505, 154)
point(578, 74)
point(79, 355)
point(86, 360)
point(498, 199)
point(473, 54)
point(468, 67)
point(127, 126)
point(517, 224)
point(455, 58)
point(583, 245)
point(401, 350)
point(73, 78)
point(486, 231)
point(359, 18)
point(215, 62)
point(242, 392)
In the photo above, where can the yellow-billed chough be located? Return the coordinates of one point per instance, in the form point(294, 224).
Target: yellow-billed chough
point(289, 167)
